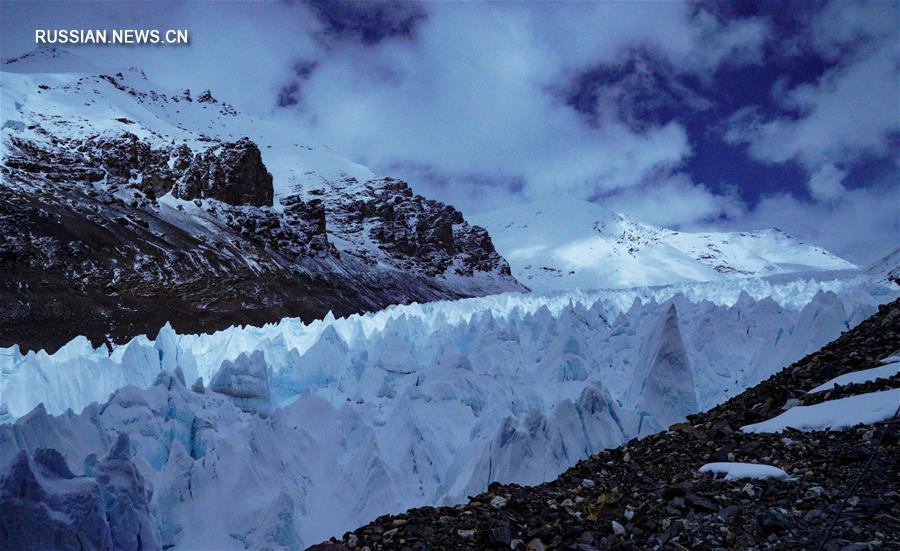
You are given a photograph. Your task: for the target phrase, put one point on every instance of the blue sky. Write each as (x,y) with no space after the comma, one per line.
(696,115)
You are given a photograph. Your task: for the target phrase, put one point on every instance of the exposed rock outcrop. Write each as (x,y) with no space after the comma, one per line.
(233,173)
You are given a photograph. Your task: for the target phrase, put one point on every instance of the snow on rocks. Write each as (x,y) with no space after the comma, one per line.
(838,414)
(113,186)
(863,376)
(734,471)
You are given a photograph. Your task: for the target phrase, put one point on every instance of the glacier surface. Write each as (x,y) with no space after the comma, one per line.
(323,426)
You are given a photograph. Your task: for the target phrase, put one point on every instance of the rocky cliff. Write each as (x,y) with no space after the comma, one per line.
(149,206)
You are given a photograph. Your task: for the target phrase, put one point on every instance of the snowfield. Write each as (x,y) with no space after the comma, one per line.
(321,427)
(568,243)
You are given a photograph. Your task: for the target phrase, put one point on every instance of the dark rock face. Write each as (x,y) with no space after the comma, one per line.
(418,233)
(44,506)
(649,493)
(232,173)
(88,246)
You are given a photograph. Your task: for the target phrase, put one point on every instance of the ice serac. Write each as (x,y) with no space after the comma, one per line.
(410,406)
(43,505)
(125,497)
(662,387)
(247,381)
(534,449)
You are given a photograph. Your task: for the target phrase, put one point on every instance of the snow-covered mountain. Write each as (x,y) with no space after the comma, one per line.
(567,243)
(887,269)
(125,205)
(320,427)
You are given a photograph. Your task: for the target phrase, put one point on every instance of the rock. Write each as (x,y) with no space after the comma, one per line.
(815,516)
(771,522)
(587,483)
(501,535)
(233,173)
(466,534)
(69,232)
(498,502)
(618,529)
(748,490)
(535,545)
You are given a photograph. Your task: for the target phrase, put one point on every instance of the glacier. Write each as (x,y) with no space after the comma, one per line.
(323,426)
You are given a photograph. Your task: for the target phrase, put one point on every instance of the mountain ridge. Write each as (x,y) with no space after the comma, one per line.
(128,206)
(566,242)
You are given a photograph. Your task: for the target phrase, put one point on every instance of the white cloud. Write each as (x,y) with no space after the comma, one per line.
(849,112)
(674,201)
(862,225)
(474,94)
(825,182)
(842,25)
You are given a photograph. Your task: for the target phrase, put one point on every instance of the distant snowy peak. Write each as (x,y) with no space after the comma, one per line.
(568,243)
(49,60)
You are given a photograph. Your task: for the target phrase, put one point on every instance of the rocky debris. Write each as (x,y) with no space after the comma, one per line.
(108,508)
(648,494)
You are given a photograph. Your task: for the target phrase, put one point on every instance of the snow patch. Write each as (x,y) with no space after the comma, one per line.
(734,471)
(863,376)
(839,414)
